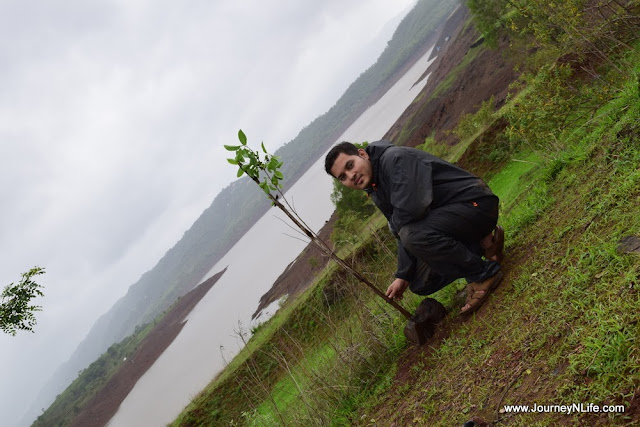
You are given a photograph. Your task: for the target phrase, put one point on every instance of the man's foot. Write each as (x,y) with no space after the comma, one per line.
(477,292)
(493,245)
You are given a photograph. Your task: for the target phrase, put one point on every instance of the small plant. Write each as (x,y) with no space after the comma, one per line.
(15,311)
(282,300)
(471,124)
(434,147)
(265,172)
(256,328)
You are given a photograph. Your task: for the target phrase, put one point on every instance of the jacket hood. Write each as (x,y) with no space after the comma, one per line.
(375,151)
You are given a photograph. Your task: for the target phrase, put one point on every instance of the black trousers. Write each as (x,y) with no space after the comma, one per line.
(446,244)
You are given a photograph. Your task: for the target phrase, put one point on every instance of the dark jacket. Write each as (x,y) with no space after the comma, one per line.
(407,183)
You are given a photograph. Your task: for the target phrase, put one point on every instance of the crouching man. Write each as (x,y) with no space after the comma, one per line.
(443,217)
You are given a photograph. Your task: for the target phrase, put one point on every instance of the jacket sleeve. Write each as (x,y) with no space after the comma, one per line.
(406,261)
(411,189)
(406,264)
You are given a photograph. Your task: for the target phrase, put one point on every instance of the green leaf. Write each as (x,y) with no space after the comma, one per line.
(279,175)
(240,172)
(242,137)
(265,187)
(231,147)
(263,149)
(232,161)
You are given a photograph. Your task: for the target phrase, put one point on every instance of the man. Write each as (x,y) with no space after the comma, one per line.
(442,216)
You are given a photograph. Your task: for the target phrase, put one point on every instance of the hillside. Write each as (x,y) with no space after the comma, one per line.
(559,142)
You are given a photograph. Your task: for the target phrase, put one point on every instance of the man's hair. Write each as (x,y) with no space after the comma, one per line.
(343,147)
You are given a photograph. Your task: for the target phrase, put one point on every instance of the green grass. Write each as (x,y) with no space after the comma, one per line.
(515,177)
(290,388)
(563,328)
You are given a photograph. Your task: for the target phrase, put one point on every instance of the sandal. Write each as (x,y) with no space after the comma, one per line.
(495,252)
(477,292)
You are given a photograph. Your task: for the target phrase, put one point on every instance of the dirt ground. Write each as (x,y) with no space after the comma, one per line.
(106,402)
(488,74)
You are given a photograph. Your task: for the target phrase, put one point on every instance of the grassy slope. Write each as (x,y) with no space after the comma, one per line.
(562,328)
(296,351)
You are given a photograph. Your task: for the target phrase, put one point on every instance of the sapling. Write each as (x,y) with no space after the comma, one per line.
(264,169)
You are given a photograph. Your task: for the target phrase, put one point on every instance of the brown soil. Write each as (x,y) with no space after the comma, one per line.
(488,74)
(99,410)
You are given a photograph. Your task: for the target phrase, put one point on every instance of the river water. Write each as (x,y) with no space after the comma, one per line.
(211,334)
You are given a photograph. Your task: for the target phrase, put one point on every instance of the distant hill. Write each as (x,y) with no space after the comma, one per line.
(238,206)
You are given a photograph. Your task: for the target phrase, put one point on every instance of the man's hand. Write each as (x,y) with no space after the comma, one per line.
(397,288)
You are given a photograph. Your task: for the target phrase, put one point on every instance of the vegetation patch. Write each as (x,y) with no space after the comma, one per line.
(563,328)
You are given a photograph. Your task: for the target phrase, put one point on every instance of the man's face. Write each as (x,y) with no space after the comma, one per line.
(353,171)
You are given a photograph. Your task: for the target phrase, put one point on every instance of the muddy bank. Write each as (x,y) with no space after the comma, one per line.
(103,406)
(450,93)
(299,274)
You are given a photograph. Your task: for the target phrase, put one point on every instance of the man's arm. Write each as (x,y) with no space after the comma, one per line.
(411,188)
(411,194)
(405,271)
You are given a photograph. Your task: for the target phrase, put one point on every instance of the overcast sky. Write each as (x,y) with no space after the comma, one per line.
(113,114)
